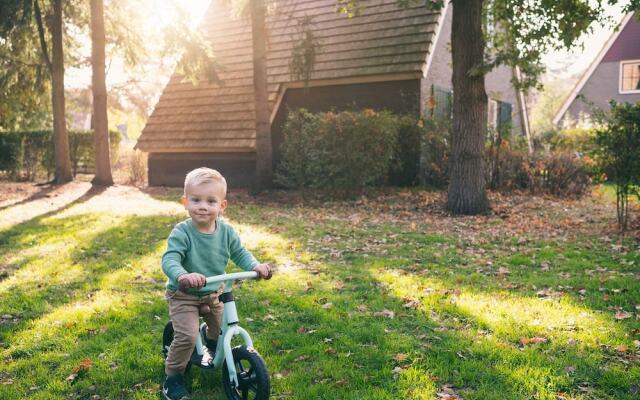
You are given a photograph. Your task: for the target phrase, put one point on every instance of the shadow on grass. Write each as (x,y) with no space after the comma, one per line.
(44,286)
(92,192)
(43,192)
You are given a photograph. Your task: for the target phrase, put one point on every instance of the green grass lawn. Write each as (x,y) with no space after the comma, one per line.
(380,298)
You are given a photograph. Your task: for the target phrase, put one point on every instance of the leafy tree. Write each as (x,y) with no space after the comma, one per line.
(24,83)
(519,33)
(44,26)
(618,154)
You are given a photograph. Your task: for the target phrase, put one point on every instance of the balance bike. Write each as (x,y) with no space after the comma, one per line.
(244,373)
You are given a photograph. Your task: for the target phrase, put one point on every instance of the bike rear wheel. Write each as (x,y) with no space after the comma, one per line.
(252,375)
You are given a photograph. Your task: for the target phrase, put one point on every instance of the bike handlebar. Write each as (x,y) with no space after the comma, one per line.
(233,276)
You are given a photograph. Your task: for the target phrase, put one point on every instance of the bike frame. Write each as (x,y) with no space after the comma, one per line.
(230,325)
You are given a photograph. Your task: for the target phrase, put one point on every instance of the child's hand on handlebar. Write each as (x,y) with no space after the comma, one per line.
(264,271)
(192,280)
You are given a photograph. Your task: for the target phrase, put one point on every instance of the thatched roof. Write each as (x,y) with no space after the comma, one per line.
(383,42)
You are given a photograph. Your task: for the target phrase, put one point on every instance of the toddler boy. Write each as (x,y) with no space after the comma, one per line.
(197,248)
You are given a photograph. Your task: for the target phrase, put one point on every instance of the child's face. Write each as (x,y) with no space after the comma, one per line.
(205,202)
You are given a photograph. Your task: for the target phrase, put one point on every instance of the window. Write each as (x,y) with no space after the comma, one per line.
(630,76)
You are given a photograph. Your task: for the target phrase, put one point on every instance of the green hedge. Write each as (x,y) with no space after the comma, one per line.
(28,154)
(339,152)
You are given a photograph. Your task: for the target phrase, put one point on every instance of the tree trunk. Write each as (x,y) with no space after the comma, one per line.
(467,193)
(100,128)
(264,158)
(60,138)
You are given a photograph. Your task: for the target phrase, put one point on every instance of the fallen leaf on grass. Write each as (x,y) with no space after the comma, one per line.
(400,357)
(362,308)
(447,393)
(384,313)
(330,350)
(623,315)
(411,304)
(533,340)
(327,306)
(341,382)
(301,358)
(622,348)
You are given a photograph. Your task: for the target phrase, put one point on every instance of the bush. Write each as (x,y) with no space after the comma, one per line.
(342,152)
(507,168)
(578,140)
(406,159)
(24,155)
(434,153)
(11,150)
(562,174)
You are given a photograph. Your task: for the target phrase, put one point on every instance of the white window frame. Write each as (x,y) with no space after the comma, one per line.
(622,64)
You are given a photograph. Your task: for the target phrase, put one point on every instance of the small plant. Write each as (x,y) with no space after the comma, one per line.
(618,154)
(137,168)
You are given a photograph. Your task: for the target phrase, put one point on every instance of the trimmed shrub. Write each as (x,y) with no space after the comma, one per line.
(341,152)
(406,159)
(11,150)
(24,155)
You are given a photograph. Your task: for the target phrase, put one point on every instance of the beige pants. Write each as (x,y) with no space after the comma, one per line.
(183,310)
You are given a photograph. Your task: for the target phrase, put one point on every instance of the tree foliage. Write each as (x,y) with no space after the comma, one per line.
(618,153)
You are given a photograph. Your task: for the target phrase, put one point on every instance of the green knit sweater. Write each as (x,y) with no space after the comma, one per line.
(190,250)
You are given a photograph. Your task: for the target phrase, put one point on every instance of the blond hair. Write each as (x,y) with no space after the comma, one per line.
(202,175)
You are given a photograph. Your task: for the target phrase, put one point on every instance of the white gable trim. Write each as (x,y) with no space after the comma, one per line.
(594,64)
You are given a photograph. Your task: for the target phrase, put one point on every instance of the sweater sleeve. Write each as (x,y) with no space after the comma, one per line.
(238,254)
(177,247)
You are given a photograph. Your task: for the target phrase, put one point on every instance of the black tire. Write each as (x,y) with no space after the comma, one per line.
(253,377)
(167,338)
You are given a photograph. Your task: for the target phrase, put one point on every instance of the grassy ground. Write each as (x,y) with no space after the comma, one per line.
(385,297)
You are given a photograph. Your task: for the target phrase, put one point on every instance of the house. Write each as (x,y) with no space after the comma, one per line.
(386,57)
(613,75)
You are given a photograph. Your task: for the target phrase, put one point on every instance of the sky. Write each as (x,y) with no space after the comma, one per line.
(566,64)
(160,14)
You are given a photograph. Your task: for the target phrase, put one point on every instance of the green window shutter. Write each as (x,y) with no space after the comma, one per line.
(504,114)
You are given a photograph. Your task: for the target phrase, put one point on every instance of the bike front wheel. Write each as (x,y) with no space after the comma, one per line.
(252,374)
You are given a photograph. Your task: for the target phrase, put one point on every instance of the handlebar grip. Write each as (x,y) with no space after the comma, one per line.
(232,276)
